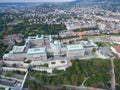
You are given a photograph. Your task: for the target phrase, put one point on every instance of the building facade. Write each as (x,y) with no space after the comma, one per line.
(75,50)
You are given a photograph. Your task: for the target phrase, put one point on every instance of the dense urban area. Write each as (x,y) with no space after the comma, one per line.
(60,46)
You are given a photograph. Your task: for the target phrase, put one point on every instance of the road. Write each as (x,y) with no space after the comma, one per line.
(112,74)
(70,87)
(106,38)
(72,39)
(25,77)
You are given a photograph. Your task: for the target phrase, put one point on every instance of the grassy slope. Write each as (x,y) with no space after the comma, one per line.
(117,72)
(78,72)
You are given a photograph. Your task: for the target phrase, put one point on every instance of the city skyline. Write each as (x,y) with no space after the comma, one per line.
(36,0)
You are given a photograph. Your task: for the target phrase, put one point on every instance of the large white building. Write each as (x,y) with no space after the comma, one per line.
(17,53)
(37,47)
(75,50)
(37,54)
(33,49)
(39,40)
(56,47)
(88,45)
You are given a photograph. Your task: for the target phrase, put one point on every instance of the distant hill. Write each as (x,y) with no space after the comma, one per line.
(113,5)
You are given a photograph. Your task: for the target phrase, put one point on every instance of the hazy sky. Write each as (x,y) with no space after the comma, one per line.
(35,0)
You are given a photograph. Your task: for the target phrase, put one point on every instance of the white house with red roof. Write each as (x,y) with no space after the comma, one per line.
(116,50)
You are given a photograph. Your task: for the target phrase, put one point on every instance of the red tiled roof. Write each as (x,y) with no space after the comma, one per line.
(80,33)
(117,48)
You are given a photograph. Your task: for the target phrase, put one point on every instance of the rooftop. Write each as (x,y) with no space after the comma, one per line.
(5,55)
(36,51)
(36,37)
(89,43)
(74,47)
(17,49)
(56,43)
(117,48)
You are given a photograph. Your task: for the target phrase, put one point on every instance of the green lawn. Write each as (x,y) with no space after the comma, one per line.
(16,22)
(2,88)
(117,72)
(106,44)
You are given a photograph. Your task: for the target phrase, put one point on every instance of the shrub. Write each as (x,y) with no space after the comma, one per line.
(27,61)
(53,62)
(62,61)
(14,65)
(7,74)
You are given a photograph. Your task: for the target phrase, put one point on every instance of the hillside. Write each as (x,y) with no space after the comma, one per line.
(96,70)
(112,5)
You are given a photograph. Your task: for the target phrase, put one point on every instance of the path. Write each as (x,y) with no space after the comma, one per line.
(86,79)
(112,74)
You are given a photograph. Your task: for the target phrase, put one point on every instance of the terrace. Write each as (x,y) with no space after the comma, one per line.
(17,49)
(36,51)
(75,47)
(36,37)
(106,44)
(89,44)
